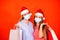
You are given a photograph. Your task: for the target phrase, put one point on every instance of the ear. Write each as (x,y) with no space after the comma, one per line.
(44,18)
(30,13)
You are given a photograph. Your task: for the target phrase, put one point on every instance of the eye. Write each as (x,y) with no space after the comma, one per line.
(39,17)
(25,14)
(28,13)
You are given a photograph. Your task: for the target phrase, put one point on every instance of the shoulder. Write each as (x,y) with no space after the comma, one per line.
(30,22)
(19,23)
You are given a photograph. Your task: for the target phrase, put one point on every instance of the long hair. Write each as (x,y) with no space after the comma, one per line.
(44,26)
(21,18)
(44,29)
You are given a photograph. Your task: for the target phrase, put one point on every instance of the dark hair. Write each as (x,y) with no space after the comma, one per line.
(39,22)
(38,11)
(44,26)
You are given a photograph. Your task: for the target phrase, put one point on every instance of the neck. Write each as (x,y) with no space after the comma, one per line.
(37,25)
(26,21)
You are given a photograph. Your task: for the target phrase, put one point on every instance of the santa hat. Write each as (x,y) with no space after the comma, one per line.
(40,13)
(24,10)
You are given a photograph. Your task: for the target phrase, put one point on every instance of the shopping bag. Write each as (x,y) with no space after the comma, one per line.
(15,34)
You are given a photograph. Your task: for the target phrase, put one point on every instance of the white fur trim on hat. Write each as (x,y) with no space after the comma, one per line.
(24,11)
(39,14)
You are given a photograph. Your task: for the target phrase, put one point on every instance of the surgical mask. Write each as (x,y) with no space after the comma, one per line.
(38,20)
(27,17)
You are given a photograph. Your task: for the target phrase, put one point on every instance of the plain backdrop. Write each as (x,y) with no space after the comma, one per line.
(10,14)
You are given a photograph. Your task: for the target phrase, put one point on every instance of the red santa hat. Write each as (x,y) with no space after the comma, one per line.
(40,13)
(24,10)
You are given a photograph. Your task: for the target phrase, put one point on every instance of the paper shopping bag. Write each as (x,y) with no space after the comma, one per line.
(15,34)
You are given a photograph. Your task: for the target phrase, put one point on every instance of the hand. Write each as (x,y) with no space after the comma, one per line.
(17,26)
(48,26)
(41,31)
(42,24)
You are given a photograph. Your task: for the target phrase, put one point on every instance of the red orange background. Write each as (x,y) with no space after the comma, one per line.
(10,14)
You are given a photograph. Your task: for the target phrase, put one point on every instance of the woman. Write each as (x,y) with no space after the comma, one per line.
(42,31)
(25,25)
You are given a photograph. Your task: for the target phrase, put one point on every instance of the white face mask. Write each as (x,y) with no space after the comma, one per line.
(38,20)
(27,17)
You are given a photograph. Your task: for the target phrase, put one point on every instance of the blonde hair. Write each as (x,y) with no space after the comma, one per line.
(21,17)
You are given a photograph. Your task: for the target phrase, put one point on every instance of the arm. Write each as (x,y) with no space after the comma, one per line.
(17,26)
(41,31)
(52,33)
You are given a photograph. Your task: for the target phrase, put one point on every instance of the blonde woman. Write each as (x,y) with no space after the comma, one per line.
(25,25)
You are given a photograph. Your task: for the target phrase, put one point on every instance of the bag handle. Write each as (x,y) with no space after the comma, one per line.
(16,27)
